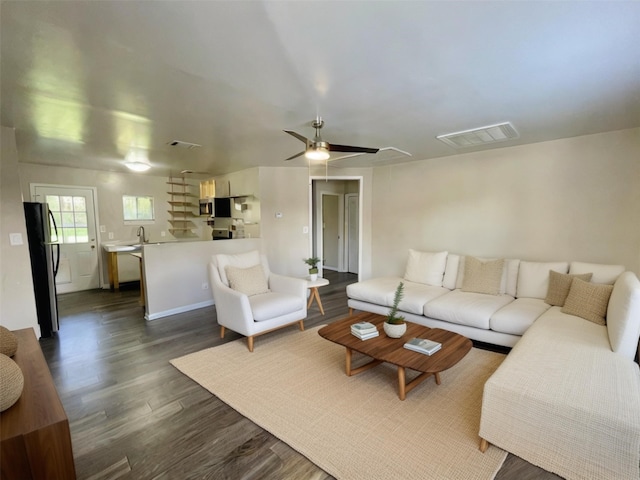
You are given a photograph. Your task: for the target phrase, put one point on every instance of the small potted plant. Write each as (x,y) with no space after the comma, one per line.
(395,326)
(313,267)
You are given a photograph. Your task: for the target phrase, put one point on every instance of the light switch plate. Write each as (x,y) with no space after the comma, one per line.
(103,228)
(15,239)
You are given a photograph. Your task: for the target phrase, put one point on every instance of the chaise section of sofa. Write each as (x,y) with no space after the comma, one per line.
(567,397)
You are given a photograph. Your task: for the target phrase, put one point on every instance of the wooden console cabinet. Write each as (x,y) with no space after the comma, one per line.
(36,441)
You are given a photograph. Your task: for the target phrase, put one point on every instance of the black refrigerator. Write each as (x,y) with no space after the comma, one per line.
(45,258)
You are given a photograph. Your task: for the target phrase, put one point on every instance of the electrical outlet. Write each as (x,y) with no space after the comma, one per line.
(103,228)
(205,286)
(305,229)
(110,235)
(163,233)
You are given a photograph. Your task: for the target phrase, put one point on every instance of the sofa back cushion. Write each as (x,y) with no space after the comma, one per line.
(426,267)
(601,273)
(451,271)
(623,315)
(533,278)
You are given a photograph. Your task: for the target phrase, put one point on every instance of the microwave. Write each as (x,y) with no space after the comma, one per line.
(219,207)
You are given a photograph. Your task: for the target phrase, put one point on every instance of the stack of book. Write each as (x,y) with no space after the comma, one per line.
(364,330)
(423,345)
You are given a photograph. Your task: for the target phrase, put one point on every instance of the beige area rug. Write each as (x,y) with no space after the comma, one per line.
(294,386)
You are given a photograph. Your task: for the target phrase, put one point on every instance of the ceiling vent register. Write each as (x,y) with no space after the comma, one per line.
(480,136)
(181,144)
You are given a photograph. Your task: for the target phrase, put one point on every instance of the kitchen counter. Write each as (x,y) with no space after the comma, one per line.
(113,249)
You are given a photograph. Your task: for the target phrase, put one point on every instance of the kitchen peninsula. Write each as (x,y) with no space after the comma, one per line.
(175,274)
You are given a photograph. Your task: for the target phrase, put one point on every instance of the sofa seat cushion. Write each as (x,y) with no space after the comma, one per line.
(466,308)
(382,290)
(267,306)
(516,317)
(584,422)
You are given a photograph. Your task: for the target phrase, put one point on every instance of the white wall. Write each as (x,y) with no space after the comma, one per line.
(17,300)
(570,199)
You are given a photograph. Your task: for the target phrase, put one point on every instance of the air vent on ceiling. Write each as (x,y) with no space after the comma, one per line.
(480,136)
(181,144)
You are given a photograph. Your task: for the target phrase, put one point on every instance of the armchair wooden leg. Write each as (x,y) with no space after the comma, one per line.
(221,332)
(350,311)
(483,445)
(250,343)
(301,323)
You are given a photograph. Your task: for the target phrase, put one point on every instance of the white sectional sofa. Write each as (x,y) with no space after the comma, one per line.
(567,397)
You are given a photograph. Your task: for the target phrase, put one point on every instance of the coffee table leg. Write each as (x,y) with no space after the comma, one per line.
(347,364)
(404,388)
(402,393)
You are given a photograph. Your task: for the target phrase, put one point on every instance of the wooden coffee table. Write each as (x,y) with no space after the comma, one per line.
(391,350)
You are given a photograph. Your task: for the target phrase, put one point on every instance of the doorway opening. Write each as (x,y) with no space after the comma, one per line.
(336,223)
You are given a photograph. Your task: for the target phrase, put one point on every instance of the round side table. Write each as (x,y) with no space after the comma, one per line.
(313,286)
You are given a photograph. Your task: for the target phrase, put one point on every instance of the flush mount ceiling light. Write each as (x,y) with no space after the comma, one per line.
(137,161)
(480,136)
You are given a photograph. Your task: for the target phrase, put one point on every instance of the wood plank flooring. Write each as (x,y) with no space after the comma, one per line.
(134,416)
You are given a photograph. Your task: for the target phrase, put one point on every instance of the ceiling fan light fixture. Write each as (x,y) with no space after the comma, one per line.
(317,152)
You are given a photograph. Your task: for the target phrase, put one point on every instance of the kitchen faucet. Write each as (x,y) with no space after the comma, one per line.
(141,235)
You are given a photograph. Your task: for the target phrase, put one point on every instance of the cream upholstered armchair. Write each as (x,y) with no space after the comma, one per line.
(250,299)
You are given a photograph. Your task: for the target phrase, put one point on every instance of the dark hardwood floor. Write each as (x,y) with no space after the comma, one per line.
(134,416)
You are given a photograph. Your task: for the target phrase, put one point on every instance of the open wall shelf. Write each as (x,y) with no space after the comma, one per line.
(181,207)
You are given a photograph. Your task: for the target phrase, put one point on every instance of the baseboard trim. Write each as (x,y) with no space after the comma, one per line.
(175,311)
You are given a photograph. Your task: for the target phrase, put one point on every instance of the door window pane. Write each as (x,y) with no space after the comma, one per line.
(70,214)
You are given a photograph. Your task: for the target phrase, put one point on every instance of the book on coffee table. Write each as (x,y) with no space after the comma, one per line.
(366,336)
(364,330)
(423,345)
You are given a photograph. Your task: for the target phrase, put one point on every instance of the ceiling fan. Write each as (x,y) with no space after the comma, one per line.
(318,149)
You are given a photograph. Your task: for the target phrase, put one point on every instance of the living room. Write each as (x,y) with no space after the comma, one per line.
(573,194)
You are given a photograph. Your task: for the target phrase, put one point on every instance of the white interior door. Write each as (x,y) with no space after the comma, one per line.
(74,211)
(353,234)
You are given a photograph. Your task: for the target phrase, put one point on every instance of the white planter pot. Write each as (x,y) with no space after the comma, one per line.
(313,277)
(394,331)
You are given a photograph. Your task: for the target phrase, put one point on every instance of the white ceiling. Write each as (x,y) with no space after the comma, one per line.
(83,81)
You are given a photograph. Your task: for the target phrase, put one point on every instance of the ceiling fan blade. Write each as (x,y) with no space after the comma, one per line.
(295,156)
(349,148)
(298,136)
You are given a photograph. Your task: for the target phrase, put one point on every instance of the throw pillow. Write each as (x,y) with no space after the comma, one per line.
(482,277)
(250,281)
(241,260)
(559,285)
(426,267)
(588,300)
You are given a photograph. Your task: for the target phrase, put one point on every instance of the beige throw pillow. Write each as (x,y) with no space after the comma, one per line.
(250,281)
(588,300)
(559,285)
(482,277)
